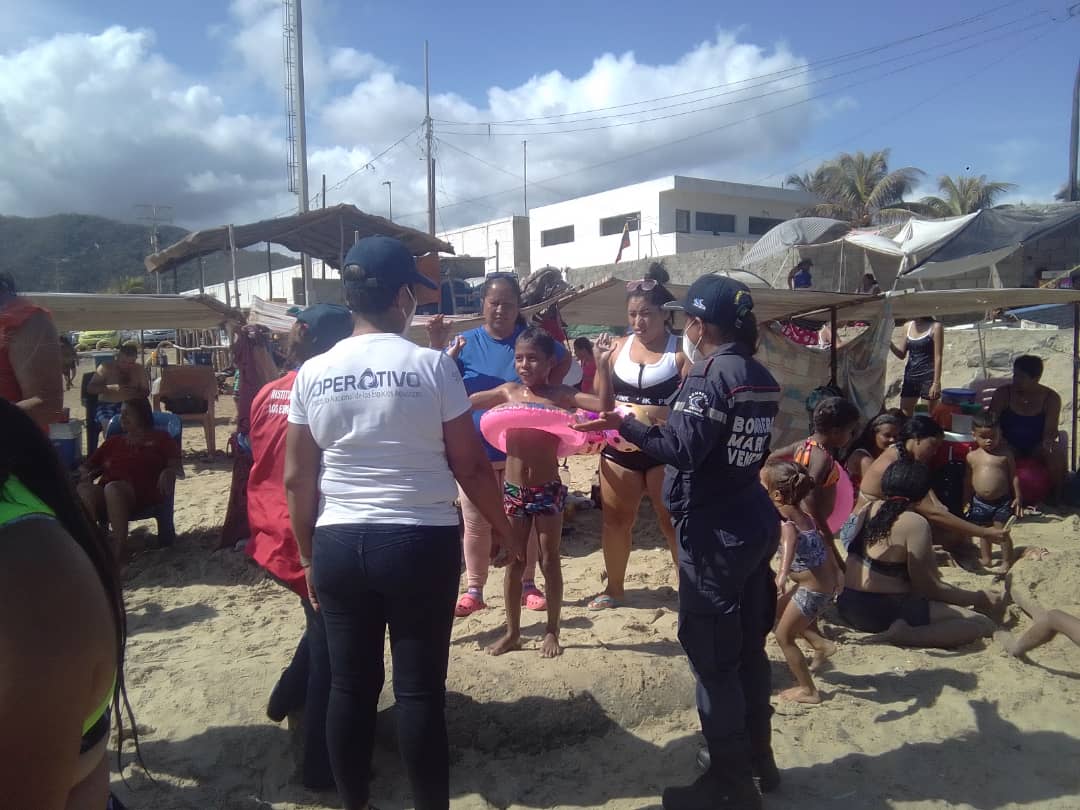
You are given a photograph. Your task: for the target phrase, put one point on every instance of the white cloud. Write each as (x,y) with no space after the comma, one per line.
(98,123)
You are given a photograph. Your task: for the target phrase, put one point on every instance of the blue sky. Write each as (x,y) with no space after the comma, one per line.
(989,96)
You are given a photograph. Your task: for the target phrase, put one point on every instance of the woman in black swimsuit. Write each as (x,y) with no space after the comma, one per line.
(1028,413)
(922,345)
(642,371)
(891,584)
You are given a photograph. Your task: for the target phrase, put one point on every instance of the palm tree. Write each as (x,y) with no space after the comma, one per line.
(964,194)
(860,188)
(129,285)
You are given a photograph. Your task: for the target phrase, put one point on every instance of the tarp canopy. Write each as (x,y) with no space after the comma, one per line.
(992,235)
(73,312)
(798,231)
(908,304)
(326,234)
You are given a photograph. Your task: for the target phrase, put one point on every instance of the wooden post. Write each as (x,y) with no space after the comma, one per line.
(232,258)
(1076,376)
(832,346)
(269,273)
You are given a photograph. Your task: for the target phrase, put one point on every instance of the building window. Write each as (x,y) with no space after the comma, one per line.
(557,236)
(714,223)
(682,221)
(762,225)
(609,226)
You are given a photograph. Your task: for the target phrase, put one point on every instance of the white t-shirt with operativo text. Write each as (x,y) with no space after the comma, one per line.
(376,405)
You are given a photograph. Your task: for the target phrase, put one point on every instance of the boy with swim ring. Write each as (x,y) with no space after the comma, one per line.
(533,493)
(806,561)
(992,488)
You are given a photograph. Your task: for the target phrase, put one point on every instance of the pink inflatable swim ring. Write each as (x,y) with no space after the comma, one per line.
(499,421)
(845,500)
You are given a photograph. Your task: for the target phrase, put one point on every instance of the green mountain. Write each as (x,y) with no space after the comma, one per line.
(78,253)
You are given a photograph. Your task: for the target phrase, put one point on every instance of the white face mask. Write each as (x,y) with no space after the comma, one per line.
(689,348)
(408,315)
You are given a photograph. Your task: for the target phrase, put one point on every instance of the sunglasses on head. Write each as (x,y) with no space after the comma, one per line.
(643,284)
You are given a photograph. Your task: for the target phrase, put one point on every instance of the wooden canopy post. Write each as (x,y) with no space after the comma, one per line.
(832,345)
(1076,376)
(232,257)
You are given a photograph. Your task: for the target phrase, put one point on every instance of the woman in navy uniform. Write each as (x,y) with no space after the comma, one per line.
(714,444)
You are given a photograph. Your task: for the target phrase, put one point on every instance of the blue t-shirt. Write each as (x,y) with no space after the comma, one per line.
(487,363)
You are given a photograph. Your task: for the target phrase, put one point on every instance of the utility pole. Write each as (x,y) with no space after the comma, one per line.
(296,119)
(155,215)
(430,137)
(525,174)
(390,197)
(1073,189)
(323,198)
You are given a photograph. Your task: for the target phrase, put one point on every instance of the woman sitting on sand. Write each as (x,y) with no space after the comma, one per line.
(919,439)
(642,370)
(1028,413)
(892,586)
(379,429)
(63,631)
(879,435)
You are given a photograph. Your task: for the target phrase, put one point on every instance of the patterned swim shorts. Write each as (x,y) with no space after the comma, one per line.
(520,502)
(811,603)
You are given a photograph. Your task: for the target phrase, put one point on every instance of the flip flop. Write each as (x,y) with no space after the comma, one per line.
(467,605)
(533,598)
(604,602)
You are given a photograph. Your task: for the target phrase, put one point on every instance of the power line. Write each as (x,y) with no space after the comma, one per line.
(780,73)
(858,70)
(490,165)
(711,130)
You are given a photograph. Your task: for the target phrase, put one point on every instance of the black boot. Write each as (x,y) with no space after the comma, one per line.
(766,774)
(728,783)
(761,755)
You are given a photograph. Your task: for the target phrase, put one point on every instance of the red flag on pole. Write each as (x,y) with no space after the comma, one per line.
(625,243)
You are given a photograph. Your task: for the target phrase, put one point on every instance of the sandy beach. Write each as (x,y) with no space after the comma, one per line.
(612,721)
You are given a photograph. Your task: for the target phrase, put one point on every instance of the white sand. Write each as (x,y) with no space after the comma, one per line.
(612,721)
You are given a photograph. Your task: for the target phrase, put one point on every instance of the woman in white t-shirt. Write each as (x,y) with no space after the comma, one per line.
(379,429)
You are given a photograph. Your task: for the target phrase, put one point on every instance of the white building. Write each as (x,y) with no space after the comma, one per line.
(666,216)
(286,285)
(503,243)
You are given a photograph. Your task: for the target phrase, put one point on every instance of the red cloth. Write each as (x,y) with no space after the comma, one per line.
(272,544)
(12,317)
(139,464)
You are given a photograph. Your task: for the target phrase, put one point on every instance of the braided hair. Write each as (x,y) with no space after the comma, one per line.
(904,483)
(791,479)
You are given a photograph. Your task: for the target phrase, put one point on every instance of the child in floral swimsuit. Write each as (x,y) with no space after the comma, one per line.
(533,492)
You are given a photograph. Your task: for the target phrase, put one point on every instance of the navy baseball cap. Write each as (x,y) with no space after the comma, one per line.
(386,262)
(326,324)
(716,299)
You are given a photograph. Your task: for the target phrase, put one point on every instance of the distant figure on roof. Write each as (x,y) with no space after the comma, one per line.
(799,278)
(869,285)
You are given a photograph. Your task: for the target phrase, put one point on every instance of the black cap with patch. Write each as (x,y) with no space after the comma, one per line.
(716,299)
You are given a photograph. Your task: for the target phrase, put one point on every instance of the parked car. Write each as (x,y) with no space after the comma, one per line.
(152,337)
(98,339)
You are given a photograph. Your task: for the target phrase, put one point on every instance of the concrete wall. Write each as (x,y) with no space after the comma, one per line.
(259,285)
(682,268)
(512,234)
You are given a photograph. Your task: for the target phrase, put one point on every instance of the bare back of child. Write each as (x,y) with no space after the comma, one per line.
(533,493)
(991,488)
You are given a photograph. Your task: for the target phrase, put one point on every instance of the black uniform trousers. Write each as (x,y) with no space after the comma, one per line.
(727,607)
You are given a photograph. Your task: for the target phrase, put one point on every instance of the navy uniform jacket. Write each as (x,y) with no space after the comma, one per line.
(717,436)
(714,443)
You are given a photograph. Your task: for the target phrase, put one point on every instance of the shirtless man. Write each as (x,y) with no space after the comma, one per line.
(115,383)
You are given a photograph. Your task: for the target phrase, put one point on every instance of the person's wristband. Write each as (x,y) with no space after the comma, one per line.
(305,562)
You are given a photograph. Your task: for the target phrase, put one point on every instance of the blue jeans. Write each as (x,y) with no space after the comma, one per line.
(368,576)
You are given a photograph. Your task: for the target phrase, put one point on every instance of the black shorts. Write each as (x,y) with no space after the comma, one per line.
(916,387)
(636,461)
(875,612)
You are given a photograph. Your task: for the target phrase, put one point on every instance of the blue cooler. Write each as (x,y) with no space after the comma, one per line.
(66,437)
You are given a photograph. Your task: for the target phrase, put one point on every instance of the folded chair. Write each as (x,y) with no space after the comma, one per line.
(190,392)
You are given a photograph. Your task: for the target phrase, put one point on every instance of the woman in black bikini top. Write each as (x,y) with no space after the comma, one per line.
(642,370)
